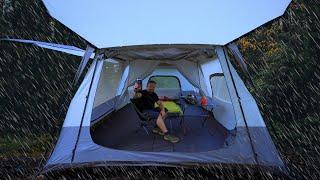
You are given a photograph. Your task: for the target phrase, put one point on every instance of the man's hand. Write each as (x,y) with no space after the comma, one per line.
(137,95)
(136,87)
(160,104)
(163,112)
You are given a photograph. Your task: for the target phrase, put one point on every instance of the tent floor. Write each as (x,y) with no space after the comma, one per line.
(121,131)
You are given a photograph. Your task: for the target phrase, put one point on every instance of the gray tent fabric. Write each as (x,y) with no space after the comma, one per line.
(65,146)
(140,69)
(53,46)
(241,61)
(83,63)
(203,85)
(263,149)
(237,152)
(161,52)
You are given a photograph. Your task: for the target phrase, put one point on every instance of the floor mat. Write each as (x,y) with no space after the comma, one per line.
(121,131)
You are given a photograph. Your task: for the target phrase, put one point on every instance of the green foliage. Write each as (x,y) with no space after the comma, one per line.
(283,59)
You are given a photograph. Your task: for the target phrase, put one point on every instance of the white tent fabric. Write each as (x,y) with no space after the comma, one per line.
(127,23)
(230,84)
(77,104)
(140,69)
(193,73)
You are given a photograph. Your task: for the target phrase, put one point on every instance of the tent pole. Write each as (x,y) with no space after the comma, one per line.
(235,99)
(85,107)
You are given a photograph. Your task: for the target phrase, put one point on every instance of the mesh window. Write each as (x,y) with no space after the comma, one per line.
(109,81)
(219,87)
(166,82)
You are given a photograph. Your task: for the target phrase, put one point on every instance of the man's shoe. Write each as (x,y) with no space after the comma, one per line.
(171,138)
(157,130)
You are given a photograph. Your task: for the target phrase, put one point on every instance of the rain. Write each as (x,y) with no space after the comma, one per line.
(36,87)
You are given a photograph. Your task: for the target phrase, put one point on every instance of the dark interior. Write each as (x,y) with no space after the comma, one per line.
(121,130)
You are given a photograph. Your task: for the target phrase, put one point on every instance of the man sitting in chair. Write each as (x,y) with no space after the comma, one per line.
(146,104)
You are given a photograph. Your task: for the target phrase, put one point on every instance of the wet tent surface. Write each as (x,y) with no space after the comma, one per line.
(121,130)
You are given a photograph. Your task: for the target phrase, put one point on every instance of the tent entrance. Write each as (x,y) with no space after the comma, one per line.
(121,131)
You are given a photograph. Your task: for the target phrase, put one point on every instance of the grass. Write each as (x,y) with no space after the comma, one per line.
(28,145)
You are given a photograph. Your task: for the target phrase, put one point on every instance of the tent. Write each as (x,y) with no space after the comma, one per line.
(236,135)
(187,42)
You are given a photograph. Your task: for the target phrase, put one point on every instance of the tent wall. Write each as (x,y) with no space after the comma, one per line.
(248,116)
(231,85)
(143,68)
(193,73)
(224,112)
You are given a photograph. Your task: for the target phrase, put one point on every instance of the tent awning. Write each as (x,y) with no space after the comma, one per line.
(172,52)
(125,23)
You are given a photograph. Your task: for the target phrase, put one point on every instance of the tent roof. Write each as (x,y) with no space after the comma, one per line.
(124,23)
(167,52)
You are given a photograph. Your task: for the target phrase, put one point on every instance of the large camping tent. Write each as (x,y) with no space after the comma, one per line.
(239,133)
(187,41)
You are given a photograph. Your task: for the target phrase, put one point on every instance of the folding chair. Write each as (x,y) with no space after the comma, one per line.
(144,120)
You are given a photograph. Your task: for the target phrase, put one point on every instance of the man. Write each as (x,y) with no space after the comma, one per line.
(146,103)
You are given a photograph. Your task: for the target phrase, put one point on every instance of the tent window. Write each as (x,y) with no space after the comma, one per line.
(166,82)
(219,87)
(109,81)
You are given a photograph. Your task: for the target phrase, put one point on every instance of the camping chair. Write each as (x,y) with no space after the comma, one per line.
(144,120)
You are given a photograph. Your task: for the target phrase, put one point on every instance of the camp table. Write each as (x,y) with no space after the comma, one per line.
(204,114)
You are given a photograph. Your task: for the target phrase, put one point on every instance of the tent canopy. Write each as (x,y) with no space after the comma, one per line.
(124,23)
